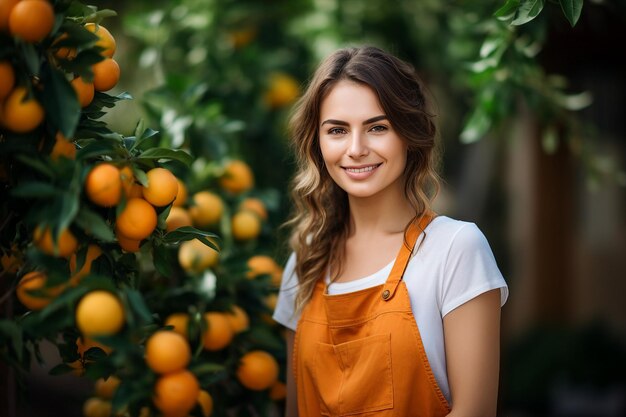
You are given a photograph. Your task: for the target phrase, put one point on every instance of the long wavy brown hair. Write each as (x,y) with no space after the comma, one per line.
(320,219)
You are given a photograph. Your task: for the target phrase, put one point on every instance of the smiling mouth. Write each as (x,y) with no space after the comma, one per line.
(362,169)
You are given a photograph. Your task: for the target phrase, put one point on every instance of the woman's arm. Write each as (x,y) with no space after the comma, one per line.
(291,409)
(472,339)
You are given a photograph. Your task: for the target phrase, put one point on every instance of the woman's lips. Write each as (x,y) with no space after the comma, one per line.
(361,172)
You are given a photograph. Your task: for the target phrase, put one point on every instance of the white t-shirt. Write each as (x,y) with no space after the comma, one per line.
(453,265)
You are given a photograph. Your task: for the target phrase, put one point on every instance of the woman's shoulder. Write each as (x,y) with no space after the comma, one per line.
(448,229)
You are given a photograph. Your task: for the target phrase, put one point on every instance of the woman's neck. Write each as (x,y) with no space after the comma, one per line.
(388,214)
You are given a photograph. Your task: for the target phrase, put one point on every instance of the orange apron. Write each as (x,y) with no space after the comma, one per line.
(361,353)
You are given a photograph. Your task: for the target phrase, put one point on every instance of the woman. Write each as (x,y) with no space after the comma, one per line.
(391,310)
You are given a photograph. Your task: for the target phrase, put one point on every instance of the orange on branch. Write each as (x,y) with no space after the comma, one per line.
(206,403)
(283,90)
(167,351)
(258,370)
(36,281)
(93,252)
(176,393)
(31,20)
(65,245)
(246,225)
(84,91)
(106,41)
(131,188)
(63,52)
(181,195)
(255,205)
(137,220)
(238,319)
(264,265)
(162,187)
(180,322)
(177,217)
(105,388)
(103,185)
(97,407)
(62,148)
(129,245)
(206,208)
(6,6)
(278,391)
(106,74)
(99,312)
(7,78)
(237,177)
(194,256)
(20,114)
(218,334)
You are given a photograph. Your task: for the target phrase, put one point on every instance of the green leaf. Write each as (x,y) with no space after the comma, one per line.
(98,148)
(162,260)
(61,369)
(31,57)
(527,11)
(509,7)
(35,189)
(13,331)
(165,154)
(572,10)
(189,233)
(36,164)
(69,208)
(93,223)
(476,127)
(138,305)
(60,102)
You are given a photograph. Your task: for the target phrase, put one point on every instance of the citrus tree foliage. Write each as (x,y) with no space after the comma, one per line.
(107,240)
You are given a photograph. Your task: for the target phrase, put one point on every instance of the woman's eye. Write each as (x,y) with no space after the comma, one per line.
(378,128)
(336,131)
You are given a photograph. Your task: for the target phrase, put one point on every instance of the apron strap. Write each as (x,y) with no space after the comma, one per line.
(402,260)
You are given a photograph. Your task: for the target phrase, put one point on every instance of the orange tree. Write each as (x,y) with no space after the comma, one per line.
(107,240)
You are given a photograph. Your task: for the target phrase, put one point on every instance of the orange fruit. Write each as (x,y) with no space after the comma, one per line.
(63,52)
(181,195)
(176,393)
(6,6)
(278,391)
(19,114)
(93,252)
(283,90)
(129,186)
(246,225)
(218,334)
(264,265)
(206,209)
(238,319)
(206,403)
(7,78)
(129,245)
(103,185)
(99,313)
(36,281)
(162,187)
(194,256)
(258,370)
(255,205)
(106,74)
(84,91)
(11,260)
(178,217)
(31,20)
(137,220)
(270,301)
(62,148)
(242,37)
(97,407)
(105,388)
(64,247)
(106,41)
(167,351)
(180,321)
(237,177)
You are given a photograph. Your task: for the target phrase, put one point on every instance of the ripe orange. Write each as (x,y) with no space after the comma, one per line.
(258,370)
(180,321)
(176,393)
(206,209)
(264,265)
(63,52)
(242,37)
(105,388)
(31,20)
(62,148)
(162,187)
(93,252)
(103,185)
(178,217)
(278,391)
(97,407)
(20,115)
(255,205)
(137,220)
(36,281)
(84,91)
(237,177)
(6,6)
(194,256)
(129,245)
(270,301)
(129,186)
(99,313)
(11,260)
(218,334)
(283,90)
(246,225)
(181,195)
(238,319)
(206,403)
(106,74)
(167,351)
(106,41)
(7,78)
(64,247)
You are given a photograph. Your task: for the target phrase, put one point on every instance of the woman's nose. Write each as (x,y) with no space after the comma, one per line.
(358,146)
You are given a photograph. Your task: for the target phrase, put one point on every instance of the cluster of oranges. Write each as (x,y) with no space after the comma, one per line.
(31,21)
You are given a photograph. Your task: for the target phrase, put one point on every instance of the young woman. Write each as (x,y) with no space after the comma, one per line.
(390,309)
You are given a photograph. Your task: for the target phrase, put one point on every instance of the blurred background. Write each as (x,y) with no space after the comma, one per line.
(532,125)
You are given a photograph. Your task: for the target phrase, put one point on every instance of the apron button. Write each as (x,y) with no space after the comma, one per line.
(386,294)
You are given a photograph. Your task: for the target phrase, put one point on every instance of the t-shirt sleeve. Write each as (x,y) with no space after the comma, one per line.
(284,312)
(470,269)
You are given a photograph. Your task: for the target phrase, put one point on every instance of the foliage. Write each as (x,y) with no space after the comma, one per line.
(44,188)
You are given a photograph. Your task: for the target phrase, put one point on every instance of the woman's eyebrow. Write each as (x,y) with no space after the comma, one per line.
(342,123)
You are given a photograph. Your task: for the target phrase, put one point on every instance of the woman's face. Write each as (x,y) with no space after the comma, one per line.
(362,152)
